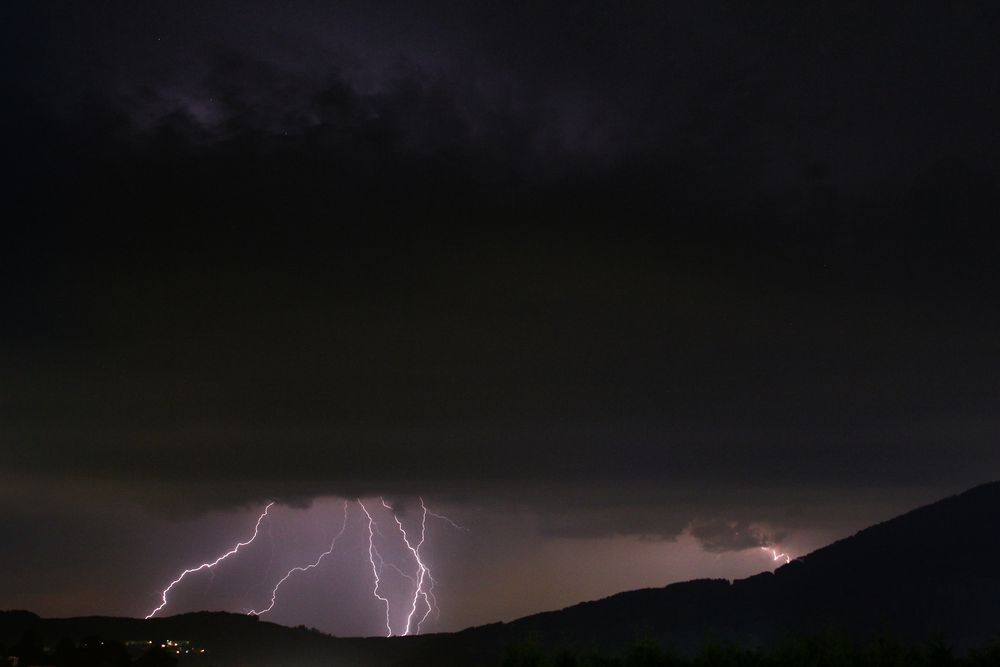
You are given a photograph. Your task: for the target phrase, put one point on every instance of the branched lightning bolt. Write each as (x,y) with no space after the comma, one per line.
(775,556)
(442,517)
(423,582)
(274,592)
(393,566)
(383,563)
(429,593)
(209,566)
(372,553)
(422,571)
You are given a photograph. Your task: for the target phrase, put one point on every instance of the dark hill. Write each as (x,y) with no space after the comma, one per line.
(933,572)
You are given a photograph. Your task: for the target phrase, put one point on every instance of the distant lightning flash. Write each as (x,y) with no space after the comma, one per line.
(274,592)
(209,566)
(775,556)
(372,553)
(422,571)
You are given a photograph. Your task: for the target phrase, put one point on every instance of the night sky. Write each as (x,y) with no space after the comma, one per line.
(628,290)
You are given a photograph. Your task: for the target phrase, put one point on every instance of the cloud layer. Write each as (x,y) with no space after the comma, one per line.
(615,274)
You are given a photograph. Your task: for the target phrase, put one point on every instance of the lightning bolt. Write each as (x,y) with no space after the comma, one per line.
(422,571)
(442,517)
(433,582)
(209,566)
(372,553)
(775,556)
(383,563)
(274,592)
(393,566)
(423,582)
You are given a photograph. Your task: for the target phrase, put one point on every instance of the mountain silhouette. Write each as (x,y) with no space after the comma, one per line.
(931,573)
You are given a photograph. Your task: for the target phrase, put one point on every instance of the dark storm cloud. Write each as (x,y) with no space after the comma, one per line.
(718,536)
(699,252)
